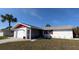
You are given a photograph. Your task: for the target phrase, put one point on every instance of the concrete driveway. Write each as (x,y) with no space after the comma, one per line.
(12,40)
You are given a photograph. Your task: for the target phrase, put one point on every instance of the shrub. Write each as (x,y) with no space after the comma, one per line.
(3,37)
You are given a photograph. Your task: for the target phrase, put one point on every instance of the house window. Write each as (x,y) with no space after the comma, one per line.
(48,32)
(45,32)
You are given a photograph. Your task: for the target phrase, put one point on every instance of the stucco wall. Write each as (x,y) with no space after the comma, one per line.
(68,34)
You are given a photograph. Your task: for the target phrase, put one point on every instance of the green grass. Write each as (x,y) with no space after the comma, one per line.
(3,37)
(56,44)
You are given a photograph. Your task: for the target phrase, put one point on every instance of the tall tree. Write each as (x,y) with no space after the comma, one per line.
(47,25)
(76,31)
(9,18)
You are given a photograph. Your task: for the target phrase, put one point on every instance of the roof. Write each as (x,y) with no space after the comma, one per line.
(29,26)
(59,28)
(68,27)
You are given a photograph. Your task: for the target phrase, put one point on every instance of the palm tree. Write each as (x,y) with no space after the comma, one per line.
(9,18)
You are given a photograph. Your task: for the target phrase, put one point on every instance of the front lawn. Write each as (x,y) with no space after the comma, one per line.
(54,44)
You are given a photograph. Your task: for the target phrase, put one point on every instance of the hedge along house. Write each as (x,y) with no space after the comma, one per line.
(28,31)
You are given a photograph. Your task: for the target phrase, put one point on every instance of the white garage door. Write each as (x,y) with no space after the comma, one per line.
(20,33)
(62,34)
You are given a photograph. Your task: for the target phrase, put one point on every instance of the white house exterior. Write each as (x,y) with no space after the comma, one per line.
(22,31)
(28,32)
(65,32)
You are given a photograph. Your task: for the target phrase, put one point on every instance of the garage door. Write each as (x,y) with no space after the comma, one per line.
(62,34)
(20,33)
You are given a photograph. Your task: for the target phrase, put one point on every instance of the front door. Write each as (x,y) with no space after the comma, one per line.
(28,34)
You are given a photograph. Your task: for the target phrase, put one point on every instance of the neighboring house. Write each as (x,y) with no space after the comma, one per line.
(1,33)
(28,31)
(6,32)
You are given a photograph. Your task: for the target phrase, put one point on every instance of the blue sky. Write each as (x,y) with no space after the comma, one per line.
(42,16)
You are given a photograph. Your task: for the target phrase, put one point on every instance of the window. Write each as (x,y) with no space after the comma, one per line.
(45,32)
(48,32)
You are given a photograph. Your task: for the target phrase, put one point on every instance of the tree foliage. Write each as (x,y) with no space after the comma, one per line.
(47,25)
(76,31)
(9,18)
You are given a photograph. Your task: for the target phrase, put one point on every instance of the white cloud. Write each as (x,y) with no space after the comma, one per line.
(30,11)
(36,15)
(34,12)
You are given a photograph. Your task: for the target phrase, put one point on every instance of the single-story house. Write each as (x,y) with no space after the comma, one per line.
(28,31)
(59,32)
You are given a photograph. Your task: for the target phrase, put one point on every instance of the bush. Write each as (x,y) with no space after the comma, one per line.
(3,37)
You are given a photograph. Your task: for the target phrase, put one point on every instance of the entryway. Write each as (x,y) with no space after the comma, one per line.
(28,34)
